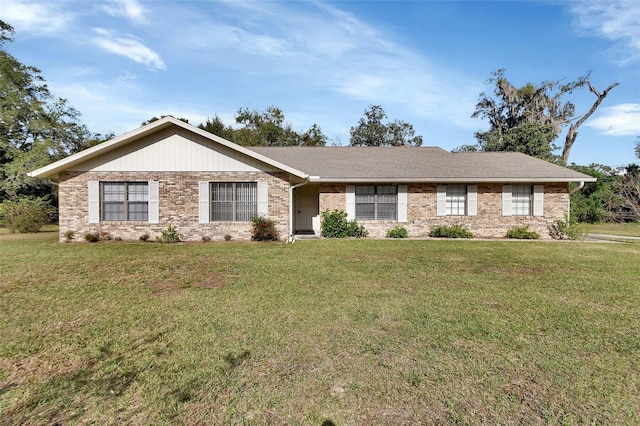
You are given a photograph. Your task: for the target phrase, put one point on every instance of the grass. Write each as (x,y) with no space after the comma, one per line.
(629,229)
(354,332)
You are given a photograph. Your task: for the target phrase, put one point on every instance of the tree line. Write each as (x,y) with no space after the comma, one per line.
(37,128)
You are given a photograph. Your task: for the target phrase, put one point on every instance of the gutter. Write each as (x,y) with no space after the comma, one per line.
(578,188)
(291,238)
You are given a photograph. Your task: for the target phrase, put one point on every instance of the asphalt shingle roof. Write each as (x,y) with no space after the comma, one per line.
(418,163)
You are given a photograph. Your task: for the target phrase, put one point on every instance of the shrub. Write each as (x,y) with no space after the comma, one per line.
(144,237)
(170,235)
(68,235)
(522,233)
(92,238)
(453,231)
(227,237)
(335,225)
(264,229)
(106,236)
(205,239)
(25,214)
(397,232)
(565,229)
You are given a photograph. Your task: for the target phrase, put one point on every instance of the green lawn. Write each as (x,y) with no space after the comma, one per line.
(355,332)
(630,229)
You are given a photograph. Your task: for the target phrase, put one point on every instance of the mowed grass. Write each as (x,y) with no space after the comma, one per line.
(354,332)
(629,229)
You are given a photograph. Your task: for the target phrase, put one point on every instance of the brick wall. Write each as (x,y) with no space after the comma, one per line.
(488,223)
(178,204)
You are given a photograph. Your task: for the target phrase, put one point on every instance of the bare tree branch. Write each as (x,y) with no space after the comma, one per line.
(572,133)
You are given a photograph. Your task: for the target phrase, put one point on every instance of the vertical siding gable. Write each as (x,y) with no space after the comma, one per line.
(173,152)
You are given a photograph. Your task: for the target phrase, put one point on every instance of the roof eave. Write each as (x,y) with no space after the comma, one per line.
(318,179)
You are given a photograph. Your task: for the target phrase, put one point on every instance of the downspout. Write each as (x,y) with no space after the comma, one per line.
(579,187)
(291,188)
(573,191)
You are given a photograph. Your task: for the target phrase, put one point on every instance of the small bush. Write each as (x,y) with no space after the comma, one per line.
(566,229)
(92,238)
(105,236)
(227,237)
(264,229)
(453,231)
(205,239)
(68,235)
(397,232)
(522,233)
(335,225)
(25,214)
(170,235)
(144,237)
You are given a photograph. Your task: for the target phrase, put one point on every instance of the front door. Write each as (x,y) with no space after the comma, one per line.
(307,207)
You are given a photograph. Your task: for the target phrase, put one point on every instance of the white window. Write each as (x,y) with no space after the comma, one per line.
(124,201)
(457,200)
(521,200)
(233,201)
(376,202)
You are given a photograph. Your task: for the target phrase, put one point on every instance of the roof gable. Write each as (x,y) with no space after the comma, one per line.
(164,137)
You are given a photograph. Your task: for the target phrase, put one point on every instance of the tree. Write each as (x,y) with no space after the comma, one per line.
(36,128)
(154,118)
(267,128)
(541,108)
(637,147)
(217,127)
(371,131)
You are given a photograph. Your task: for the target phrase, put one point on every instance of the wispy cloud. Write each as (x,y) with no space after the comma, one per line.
(129,47)
(35,17)
(334,51)
(618,120)
(129,9)
(617,20)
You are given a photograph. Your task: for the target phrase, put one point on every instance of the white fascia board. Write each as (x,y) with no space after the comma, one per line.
(54,168)
(448,180)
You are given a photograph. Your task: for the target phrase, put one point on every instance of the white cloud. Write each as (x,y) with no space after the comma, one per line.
(618,120)
(333,52)
(35,17)
(129,47)
(129,9)
(617,20)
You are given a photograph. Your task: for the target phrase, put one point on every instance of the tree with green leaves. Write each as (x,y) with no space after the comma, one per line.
(36,127)
(371,131)
(267,128)
(530,118)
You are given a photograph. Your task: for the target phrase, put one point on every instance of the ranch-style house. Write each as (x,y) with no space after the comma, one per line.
(172,173)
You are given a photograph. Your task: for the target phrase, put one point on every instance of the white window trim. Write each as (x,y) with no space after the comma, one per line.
(153,202)
(471,200)
(537,200)
(204,200)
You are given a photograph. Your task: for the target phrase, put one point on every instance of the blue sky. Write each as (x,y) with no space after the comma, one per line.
(425,62)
